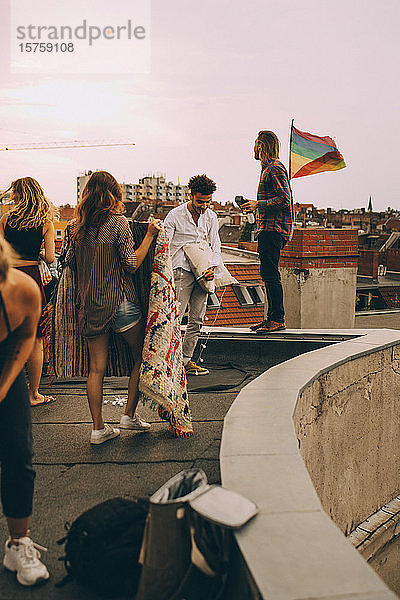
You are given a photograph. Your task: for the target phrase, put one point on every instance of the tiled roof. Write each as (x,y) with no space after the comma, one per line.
(231,313)
(67,212)
(145,215)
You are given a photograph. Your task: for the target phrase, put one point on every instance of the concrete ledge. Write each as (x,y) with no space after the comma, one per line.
(293,549)
(370,319)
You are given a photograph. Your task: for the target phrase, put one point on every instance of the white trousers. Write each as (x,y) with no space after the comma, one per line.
(190,293)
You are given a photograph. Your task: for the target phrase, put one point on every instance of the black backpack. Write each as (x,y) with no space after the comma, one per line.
(102,547)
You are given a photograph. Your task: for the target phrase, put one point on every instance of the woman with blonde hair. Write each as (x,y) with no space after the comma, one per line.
(20,306)
(103,257)
(27,227)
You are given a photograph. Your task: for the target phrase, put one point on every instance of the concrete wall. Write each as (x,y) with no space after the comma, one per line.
(347,424)
(336,401)
(386,563)
(321,298)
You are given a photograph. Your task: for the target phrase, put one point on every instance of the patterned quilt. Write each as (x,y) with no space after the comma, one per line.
(162,379)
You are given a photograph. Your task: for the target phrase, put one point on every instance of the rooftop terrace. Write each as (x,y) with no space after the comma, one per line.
(73,476)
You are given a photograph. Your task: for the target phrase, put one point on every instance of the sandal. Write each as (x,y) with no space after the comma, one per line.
(46,400)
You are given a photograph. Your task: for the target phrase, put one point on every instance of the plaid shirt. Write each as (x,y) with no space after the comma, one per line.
(275,202)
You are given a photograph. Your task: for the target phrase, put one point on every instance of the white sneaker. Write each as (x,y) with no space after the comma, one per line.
(134,422)
(24,560)
(98,436)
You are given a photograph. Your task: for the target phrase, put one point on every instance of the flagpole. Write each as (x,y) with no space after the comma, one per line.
(290,150)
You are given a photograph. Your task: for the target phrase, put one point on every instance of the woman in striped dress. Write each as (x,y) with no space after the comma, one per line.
(103,256)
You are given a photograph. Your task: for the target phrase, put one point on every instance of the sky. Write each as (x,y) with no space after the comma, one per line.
(219,71)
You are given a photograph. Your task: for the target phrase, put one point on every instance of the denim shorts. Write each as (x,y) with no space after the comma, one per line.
(128,314)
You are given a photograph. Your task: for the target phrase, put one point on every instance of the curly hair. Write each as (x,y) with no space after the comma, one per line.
(268,146)
(101,198)
(7,259)
(201,184)
(31,207)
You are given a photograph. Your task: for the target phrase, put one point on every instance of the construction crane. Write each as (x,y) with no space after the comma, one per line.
(63,145)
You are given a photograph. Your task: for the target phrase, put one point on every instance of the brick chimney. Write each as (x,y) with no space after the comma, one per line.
(319,276)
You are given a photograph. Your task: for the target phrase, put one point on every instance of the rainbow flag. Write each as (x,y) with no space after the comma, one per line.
(310,154)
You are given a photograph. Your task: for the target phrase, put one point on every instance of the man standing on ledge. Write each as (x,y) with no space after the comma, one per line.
(274,216)
(189,223)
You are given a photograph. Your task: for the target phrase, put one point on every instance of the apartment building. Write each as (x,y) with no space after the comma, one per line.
(155,188)
(150,189)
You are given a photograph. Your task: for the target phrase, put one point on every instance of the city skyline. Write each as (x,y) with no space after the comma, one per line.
(221,72)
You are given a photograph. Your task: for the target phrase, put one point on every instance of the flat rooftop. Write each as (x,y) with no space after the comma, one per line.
(73,476)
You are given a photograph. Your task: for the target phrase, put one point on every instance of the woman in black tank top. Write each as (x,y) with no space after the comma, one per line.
(27,227)
(19,314)
(27,242)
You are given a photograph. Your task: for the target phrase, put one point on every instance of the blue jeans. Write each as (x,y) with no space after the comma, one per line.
(128,314)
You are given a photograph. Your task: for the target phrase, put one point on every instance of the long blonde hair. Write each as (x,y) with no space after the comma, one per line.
(268,146)
(32,209)
(101,198)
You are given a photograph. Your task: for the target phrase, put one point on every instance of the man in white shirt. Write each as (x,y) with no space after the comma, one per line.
(193,222)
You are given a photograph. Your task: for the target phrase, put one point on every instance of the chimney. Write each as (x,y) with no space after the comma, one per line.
(319,275)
